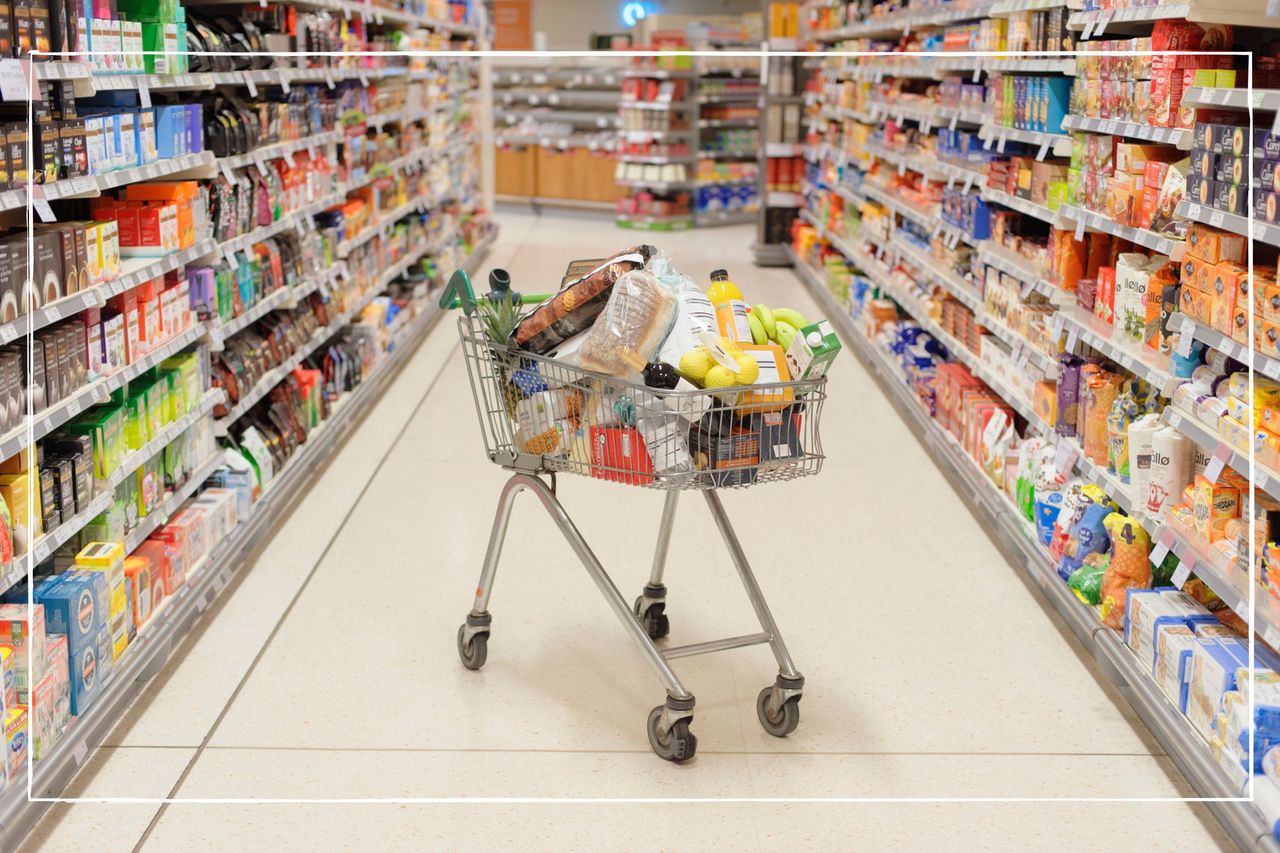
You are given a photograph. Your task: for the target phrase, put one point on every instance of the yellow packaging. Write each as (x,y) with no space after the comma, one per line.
(1233,431)
(108,558)
(1213,501)
(1046,401)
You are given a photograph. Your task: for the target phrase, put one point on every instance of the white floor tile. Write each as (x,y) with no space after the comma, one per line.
(109,772)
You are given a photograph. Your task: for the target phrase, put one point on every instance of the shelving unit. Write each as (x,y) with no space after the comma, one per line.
(444,158)
(900,267)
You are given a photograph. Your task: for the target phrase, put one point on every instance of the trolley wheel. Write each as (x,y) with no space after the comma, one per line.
(679,745)
(782,723)
(653,619)
(473,654)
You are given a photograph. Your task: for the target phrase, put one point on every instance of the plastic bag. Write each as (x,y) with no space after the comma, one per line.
(694,316)
(630,329)
(1086,581)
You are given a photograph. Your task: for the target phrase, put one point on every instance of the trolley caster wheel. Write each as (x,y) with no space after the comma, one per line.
(473,654)
(678,745)
(784,721)
(653,619)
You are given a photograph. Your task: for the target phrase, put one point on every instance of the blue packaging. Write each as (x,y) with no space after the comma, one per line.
(73,605)
(171,132)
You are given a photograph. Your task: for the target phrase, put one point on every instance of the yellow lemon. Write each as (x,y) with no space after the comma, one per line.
(694,365)
(720,377)
(748,370)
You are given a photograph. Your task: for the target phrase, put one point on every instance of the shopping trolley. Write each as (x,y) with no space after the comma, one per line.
(541,417)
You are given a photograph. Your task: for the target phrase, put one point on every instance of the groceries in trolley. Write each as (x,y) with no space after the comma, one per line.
(634,373)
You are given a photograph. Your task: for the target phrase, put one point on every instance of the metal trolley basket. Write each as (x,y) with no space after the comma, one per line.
(544,417)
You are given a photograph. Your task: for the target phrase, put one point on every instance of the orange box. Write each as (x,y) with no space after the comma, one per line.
(773,368)
(1268,337)
(1269,305)
(1195,273)
(1222,310)
(1196,304)
(1213,246)
(1213,501)
(1046,401)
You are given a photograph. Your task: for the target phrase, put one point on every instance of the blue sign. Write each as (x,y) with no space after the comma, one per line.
(634,12)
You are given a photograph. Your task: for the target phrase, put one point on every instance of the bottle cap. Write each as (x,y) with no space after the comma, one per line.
(719,275)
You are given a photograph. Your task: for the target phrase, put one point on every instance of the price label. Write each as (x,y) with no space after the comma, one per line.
(951,125)
(977,71)
(1193,211)
(284,83)
(13,79)
(1064,459)
(1175,419)
(1183,346)
(1044,149)
(1056,325)
(260,163)
(42,207)
(1271,369)
(1217,218)
(1213,470)
(1271,636)
(288,156)
(1158,553)
(1144,132)
(987,143)
(925,126)
(1004,137)
(311,149)
(226,171)
(1183,572)
(1027,287)
(1073,337)
(902,168)
(951,181)
(1088,30)
(328,79)
(1080,230)
(252,86)
(144,94)
(968,183)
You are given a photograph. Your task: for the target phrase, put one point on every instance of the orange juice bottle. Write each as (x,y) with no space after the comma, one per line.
(731,310)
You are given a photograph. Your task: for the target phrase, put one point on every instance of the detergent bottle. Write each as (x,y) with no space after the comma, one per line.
(731,310)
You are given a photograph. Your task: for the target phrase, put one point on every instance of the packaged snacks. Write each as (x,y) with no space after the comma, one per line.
(575,307)
(1127,569)
(1088,534)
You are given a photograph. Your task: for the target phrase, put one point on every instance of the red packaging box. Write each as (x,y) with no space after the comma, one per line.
(619,455)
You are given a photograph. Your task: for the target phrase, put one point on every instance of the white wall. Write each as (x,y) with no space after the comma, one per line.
(568,24)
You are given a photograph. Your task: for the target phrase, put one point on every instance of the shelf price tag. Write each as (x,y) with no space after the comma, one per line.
(144,94)
(1027,287)
(1213,470)
(1073,338)
(1271,369)
(41,204)
(284,83)
(1088,30)
(1064,459)
(1183,347)
(1080,230)
(951,125)
(260,163)
(1158,553)
(977,75)
(1004,138)
(1183,572)
(1044,149)
(1217,218)
(252,86)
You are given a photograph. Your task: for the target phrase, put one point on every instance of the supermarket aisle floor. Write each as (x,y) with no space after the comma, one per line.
(329,671)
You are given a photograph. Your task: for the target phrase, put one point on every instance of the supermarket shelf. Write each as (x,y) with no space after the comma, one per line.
(99,391)
(574,117)
(1118,490)
(1084,327)
(906,20)
(1006,8)
(735,154)
(657,160)
(175,499)
(132,462)
(783,149)
(1248,13)
(188,165)
(1105,224)
(1229,582)
(727,182)
(148,654)
(1114,127)
(1025,553)
(656,186)
(1022,205)
(630,135)
(924,218)
(1191,426)
(655,106)
(922,115)
(678,222)
(947,279)
(385,223)
(960,115)
(660,73)
(753,121)
(1058,144)
(840,243)
(1023,65)
(1239,99)
(774,198)
(751,95)
(297,218)
(1263,232)
(992,255)
(955,234)
(1212,338)
(569,98)
(280,149)
(725,217)
(1023,352)
(550,201)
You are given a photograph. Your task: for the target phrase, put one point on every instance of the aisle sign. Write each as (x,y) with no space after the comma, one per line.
(512,24)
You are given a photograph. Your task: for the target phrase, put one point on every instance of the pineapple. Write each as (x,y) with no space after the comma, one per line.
(499,320)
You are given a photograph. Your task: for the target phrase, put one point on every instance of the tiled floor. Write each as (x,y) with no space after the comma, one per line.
(329,671)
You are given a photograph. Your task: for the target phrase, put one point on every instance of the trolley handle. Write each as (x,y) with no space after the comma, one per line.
(459,293)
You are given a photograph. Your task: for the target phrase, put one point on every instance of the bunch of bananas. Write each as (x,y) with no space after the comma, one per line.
(775,325)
